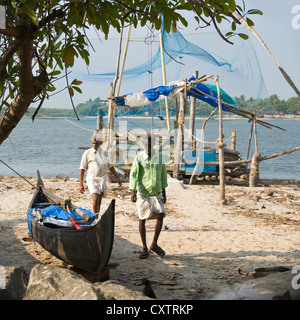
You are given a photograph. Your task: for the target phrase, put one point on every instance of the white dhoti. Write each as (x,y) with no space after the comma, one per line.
(150,207)
(98,185)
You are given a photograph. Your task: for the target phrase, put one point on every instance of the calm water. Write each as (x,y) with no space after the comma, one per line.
(51,145)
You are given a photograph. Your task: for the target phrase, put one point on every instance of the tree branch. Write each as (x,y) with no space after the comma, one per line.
(219,31)
(6,57)
(11,32)
(52,16)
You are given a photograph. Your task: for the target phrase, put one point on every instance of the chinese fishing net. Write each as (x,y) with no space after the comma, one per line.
(236,65)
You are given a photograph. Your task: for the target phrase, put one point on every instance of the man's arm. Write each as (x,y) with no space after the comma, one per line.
(81,175)
(113,171)
(163,192)
(133,179)
(133,195)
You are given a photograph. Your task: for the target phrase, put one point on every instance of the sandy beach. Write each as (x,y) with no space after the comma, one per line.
(212,250)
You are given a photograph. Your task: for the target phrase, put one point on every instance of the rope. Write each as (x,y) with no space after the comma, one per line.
(208,142)
(76,125)
(19,174)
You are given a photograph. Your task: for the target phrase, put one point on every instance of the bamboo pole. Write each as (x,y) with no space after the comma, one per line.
(164,78)
(110,116)
(111,95)
(221,146)
(118,62)
(123,61)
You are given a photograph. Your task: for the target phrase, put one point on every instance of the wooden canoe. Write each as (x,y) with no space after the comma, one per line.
(88,249)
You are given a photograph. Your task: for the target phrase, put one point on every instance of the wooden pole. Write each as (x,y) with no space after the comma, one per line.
(254,170)
(201,146)
(164,78)
(233,139)
(180,134)
(255,134)
(176,114)
(192,113)
(250,139)
(221,146)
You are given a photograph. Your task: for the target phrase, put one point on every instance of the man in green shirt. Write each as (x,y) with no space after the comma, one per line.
(148,180)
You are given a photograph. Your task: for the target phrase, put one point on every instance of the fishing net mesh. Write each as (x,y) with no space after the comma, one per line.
(237,66)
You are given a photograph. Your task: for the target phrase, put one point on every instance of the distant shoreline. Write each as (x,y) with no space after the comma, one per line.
(173,118)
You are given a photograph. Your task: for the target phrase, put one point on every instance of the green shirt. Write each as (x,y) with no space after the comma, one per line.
(148,175)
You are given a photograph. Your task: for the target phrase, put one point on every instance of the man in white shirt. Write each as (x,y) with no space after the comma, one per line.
(95,162)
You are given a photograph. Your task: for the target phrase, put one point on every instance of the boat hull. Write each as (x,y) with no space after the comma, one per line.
(88,249)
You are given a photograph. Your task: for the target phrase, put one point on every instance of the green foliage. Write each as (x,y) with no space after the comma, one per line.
(89,108)
(271,106)
(268,106)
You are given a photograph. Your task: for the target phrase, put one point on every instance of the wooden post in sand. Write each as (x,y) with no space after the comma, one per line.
(233,139)
(180,133)
(100,123)
(221,146)
(254,170)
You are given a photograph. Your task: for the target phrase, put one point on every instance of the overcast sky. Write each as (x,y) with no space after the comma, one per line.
(279,27)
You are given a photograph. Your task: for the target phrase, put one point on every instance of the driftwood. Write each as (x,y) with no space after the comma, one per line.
(279,181)
(279,154)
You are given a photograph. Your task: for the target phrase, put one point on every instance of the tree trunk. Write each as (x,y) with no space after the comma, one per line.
(30,87)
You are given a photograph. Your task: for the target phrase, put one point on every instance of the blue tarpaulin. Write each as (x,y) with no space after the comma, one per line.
(202,91)
(56,215)
(154,93)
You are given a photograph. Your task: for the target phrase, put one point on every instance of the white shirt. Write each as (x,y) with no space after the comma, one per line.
(95,162)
